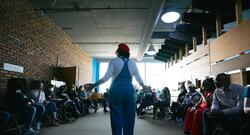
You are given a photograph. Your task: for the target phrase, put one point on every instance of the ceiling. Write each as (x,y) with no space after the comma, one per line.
(98,25)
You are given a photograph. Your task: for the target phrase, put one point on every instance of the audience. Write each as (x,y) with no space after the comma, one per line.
(51,105)
(147,99)
(20,105)
(194,115)
(217,109)
(83,96)
(227,107)
(162,102)
(67,107)
(97,98)
(73,95)
(191,98)
(38,95)
(176,106)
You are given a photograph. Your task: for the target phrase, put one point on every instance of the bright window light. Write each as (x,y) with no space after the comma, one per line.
(152,74)
(151,52)
(170,17)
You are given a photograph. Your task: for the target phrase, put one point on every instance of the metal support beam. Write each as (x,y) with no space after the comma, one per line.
(171,60)
(160,35)
(204,35)
(168,63)
(218,25)
(175,58)
(166,51)
(238,10)
(186,49)
(180,54)
(194,44)
(154,13)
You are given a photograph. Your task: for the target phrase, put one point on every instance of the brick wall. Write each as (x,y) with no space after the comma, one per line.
(33,41)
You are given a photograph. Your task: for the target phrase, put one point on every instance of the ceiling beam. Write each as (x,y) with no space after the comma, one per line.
(160,35)
(170,47)
(160,59)
(178,37)
(206,20)
(185,38)
(164,55)
(189,29)
(174,42)
(154,13)
(166,51)
(225,7)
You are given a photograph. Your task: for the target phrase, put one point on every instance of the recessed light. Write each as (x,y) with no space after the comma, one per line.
(170,17)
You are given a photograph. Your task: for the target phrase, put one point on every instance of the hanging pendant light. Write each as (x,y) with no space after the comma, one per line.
(151,50)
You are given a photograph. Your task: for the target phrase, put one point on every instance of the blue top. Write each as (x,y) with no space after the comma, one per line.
(247,92)
(229,102)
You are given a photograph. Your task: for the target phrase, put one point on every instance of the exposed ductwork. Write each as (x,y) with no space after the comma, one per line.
(152,19)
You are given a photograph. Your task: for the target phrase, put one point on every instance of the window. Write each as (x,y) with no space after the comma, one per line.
(152,74)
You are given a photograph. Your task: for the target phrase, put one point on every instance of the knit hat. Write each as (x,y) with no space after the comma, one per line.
(123,47)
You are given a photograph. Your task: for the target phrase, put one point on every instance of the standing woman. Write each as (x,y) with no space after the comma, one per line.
(121,93)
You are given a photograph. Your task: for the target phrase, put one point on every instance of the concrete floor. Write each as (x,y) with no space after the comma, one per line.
(99,124)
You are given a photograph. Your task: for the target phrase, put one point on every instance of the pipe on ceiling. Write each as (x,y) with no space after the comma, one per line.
(151,22)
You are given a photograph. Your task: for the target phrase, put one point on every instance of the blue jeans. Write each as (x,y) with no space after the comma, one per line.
(40,109)
(28,113)
(51,107)
(230,123)
(122,109)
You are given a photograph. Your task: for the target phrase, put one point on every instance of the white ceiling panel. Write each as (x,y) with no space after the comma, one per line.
(72,19)
(116,3)
(99,25)
(107,51)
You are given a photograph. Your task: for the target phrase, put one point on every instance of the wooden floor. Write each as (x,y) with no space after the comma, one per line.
(99,124)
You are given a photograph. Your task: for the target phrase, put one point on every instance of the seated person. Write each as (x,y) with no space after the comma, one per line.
(139,96)
(65,104)
(106,99)
(98,98)
(146,100)
(194,115)
(4,117)
(245,129)
(176,106)
(51,107)
(83,96)
(73,95)
(162,102)
(191,98)
(38,95)
(226,109)
(20,105)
